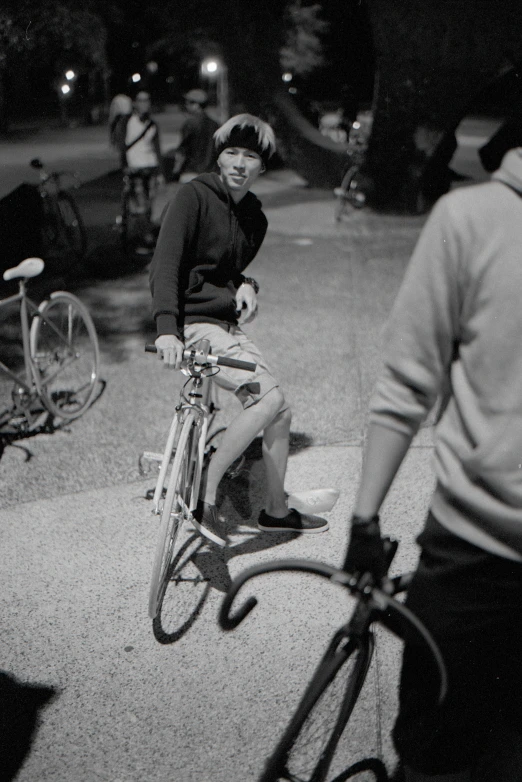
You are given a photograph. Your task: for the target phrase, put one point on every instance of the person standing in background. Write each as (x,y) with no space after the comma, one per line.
(195,153)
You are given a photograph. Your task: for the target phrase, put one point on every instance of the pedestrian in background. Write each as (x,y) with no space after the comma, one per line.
(195,153)
(456,328)
(137,138)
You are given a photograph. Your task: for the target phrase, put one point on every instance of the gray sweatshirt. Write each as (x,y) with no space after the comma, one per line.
(456,326)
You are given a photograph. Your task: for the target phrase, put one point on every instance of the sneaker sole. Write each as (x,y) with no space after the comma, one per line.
(310,531)
(208,534)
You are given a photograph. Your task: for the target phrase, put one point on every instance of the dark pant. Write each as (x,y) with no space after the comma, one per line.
(471,602)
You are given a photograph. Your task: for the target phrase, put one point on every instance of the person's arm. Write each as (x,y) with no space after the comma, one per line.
(157,149)
(384,453)
(177,233)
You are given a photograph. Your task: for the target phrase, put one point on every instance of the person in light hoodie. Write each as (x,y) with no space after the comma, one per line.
(456,330)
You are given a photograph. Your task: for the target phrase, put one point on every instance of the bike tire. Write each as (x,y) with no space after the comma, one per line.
(343,198)
(175,512)
(72,224)
(65,353)
(306,749)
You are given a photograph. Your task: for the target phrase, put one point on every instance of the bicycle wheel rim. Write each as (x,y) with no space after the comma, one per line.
(65,352)
(173,514)
(72,224)
(308,745)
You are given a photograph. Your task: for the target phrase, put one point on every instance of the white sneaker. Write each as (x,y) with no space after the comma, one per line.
(313,501)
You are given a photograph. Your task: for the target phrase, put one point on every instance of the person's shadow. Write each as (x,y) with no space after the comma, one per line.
(198,567)
(20,705)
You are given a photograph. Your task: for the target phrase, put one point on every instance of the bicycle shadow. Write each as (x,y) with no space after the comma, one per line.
(45,422)
(199,567)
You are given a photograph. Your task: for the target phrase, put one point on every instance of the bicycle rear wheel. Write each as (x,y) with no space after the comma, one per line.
(342,193)
(72,224)
(307,748)
(175,511)
(64,349)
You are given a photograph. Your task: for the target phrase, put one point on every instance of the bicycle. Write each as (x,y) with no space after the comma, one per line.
(135,224)
(307,748)
(63,230)
(60,356)
(349,192)
(190,444)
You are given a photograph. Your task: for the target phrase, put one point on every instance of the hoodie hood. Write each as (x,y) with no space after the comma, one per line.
(510,171)
(215,183)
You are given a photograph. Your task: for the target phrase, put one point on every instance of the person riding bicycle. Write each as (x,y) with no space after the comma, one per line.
(455,330)
(137,138)
(211,231)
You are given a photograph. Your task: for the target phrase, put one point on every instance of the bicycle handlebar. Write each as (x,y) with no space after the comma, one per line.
(209,359)
(383,601)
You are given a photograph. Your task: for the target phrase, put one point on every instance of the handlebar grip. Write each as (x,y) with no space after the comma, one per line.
(236,363)
(231,621)
(151,349)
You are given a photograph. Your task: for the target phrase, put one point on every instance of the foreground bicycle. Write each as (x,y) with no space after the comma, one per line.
(190,443)
(307,748)
(63,230)
(60,356)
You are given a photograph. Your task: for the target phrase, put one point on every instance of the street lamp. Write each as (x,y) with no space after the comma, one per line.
(214,68)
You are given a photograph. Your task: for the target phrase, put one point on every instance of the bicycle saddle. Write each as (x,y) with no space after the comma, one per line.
(31,267)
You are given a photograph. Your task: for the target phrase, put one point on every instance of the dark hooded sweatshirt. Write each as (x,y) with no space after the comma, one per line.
(205,243)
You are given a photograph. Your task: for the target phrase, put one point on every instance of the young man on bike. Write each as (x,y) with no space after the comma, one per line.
(211,231)
(455,331)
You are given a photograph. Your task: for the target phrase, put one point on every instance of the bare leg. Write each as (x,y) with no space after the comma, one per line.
(238,436)
(276,439)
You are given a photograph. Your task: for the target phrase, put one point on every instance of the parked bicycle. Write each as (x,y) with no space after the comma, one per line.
(190,443)
(137,231)
(349,193)
(60,356)
(307,748)
(63,230)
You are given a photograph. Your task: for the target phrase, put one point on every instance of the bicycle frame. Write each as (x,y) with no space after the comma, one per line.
(29,381)
(26,305)
(198,399)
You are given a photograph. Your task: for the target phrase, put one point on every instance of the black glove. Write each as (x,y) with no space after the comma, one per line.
(366,552)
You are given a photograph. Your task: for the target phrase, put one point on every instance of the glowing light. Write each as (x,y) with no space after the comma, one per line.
(136,78)
(211,67)
(287,76)
(65,89)
(69,75)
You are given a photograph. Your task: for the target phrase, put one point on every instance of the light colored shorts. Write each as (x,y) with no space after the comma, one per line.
(249,387)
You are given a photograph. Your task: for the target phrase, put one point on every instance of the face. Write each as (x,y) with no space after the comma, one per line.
(193,107)
(239,169)
(142,103)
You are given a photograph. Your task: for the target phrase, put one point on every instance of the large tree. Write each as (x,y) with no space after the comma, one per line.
(49,32)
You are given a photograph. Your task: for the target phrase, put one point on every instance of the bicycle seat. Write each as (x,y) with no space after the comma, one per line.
(31,267)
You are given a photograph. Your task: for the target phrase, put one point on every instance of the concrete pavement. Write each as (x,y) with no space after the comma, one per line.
(182,700)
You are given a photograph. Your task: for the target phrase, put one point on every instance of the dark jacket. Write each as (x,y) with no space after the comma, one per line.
(197,143)
(205,242)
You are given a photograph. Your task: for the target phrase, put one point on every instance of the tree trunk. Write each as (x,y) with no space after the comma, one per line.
(433,58)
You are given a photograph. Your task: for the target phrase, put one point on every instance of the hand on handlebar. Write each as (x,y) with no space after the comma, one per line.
(366,551)
(170,350)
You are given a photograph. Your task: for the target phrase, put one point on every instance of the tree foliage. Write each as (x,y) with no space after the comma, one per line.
(303,50)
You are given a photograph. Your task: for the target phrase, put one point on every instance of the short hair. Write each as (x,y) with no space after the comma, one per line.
(236,126)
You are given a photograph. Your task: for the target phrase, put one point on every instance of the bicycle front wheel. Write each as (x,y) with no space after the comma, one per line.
(175,511)
(65,353)
(308,745)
